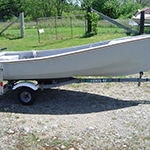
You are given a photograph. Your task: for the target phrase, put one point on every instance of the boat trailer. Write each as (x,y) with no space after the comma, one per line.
(27,89)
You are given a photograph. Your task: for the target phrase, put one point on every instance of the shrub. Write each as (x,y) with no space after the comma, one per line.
(94,19)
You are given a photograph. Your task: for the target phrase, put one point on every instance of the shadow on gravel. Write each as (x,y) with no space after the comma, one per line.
(60,102)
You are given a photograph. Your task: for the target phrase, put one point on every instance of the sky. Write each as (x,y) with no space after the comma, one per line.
(75,2)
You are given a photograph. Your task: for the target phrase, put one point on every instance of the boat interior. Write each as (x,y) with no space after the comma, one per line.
(9,56)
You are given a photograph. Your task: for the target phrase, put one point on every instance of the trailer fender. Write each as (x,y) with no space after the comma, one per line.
(30,85)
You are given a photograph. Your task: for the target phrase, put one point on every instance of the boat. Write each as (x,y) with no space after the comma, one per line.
(119,57)
(137,16)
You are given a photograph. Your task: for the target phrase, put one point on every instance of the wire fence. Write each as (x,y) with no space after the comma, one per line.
(58,28)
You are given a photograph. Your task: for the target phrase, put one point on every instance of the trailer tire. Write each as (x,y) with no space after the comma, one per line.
(26,96)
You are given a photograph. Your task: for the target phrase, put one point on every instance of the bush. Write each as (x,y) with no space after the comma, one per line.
(93,17)
(27,18)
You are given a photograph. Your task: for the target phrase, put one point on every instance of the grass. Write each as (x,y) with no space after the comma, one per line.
(10,38)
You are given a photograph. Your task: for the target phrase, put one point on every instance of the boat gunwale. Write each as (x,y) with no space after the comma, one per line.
(90,49)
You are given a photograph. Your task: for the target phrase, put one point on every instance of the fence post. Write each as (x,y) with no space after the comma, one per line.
(37,22)
(22,25)
(89,23)
(71,26)
(56,27)
(142,19)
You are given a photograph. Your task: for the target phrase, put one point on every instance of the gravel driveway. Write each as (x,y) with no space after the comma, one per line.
(82,116)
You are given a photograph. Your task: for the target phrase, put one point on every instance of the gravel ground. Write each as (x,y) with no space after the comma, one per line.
(79,117)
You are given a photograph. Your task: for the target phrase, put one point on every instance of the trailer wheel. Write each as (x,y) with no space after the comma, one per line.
(26,96)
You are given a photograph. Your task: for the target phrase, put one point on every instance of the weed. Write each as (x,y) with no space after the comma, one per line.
(107,85)
(17,117)
(114,118)
(75,85)
(56,142)
(9,116)
(72,139)
(147,138)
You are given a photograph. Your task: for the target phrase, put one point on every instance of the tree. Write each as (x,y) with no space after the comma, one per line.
(128,8)
(99,5)
(144,3)
(4,9)
(16,7)
(86,4)
(34,9)
(116,8)
(60,6)
(112,8)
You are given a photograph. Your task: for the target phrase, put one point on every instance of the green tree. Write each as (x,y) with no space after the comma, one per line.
(32,9)
(86,4)
(38,8)
(99,5)
(144,3)
(4,9)
(128,8)
(60,6)
(112,8)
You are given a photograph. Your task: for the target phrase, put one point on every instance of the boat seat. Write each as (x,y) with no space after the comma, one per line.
(9,57)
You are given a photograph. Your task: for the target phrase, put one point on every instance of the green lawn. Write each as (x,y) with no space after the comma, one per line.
(10,40)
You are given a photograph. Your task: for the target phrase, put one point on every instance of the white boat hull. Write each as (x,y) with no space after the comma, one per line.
(116,58)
